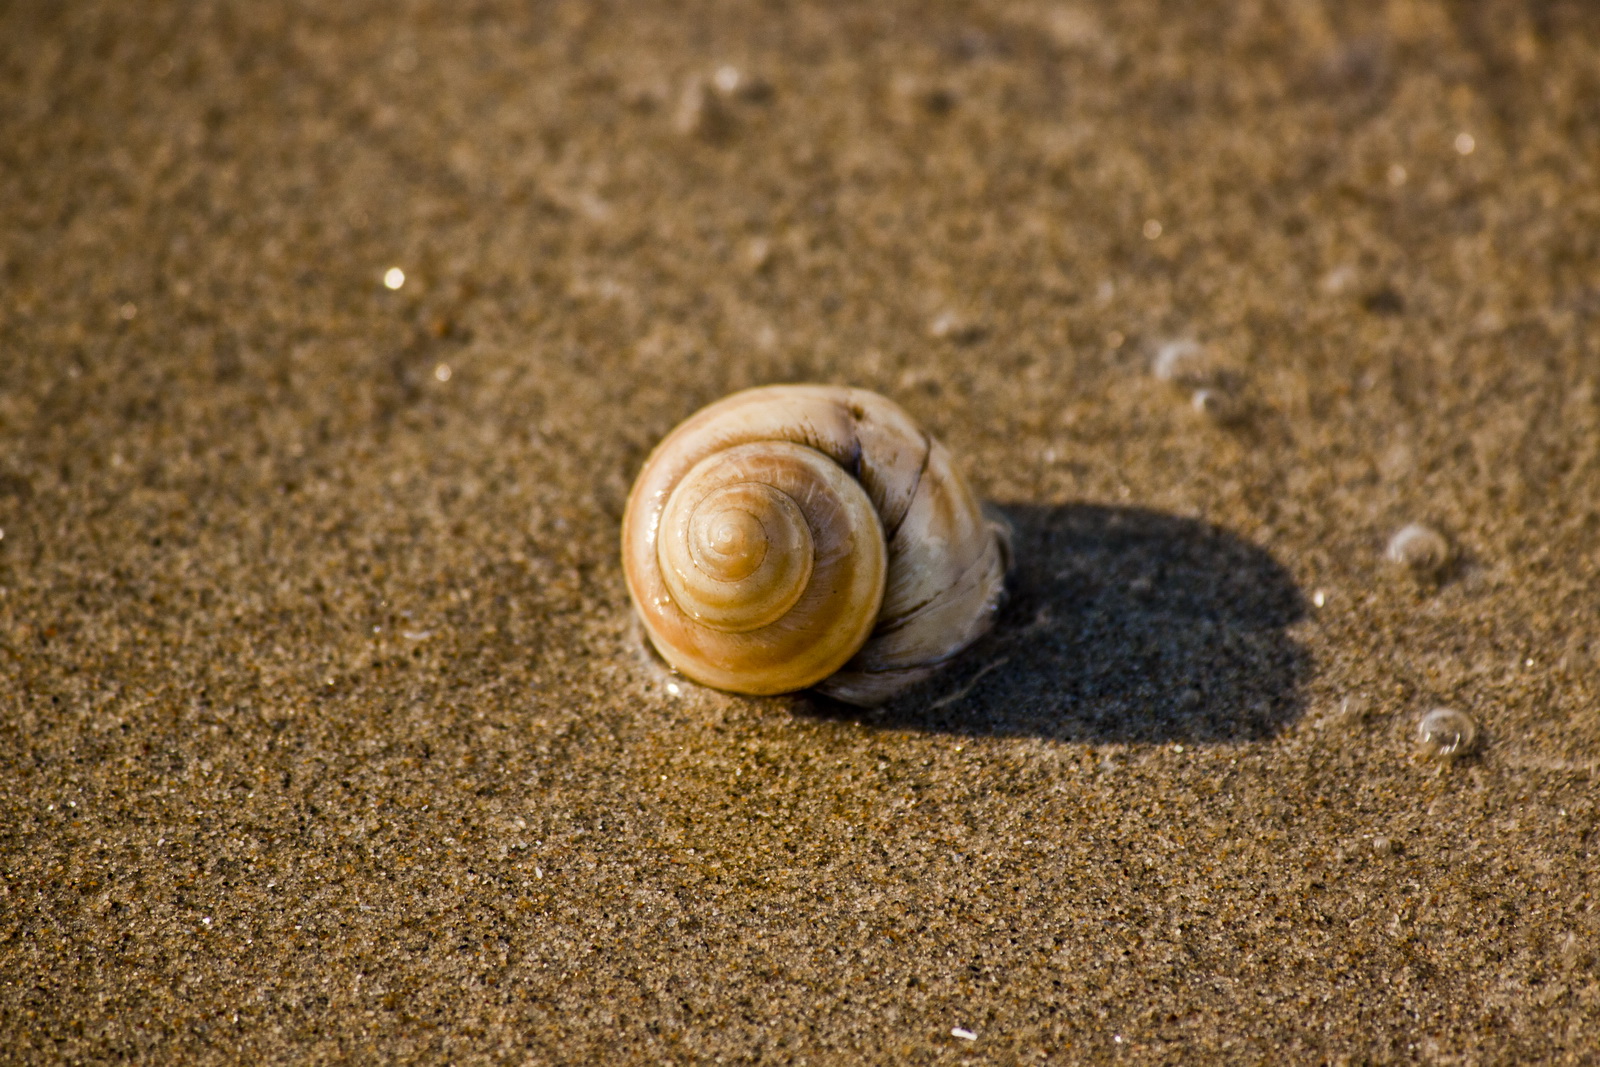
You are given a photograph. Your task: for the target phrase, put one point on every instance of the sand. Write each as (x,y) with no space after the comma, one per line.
(325,734)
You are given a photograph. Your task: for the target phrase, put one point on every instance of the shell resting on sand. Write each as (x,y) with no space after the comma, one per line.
(802,536)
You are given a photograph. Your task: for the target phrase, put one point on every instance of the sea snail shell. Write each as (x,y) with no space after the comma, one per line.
(799,536)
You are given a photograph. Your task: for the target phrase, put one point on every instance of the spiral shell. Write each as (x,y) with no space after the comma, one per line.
(803,536)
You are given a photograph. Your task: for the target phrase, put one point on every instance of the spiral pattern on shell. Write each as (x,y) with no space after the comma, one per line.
(809,536)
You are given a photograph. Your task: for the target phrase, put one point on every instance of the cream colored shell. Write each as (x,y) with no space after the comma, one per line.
(800,536)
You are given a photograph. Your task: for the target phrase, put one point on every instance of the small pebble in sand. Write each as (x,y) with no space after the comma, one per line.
(1383,846)
(1420,549)
(738,84)
(1181,363)
(1446,734)
(1338,280)
(933,99)
(1218,405)
(756,254)
(701,113)
(953,326)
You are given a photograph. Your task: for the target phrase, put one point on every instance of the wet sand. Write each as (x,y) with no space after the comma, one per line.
(325,734)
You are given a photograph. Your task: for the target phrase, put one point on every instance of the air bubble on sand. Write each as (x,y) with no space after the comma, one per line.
(1446,734)
(1421,549)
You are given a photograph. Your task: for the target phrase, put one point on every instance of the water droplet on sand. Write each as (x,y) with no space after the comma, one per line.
(1420,549)
(1446,734)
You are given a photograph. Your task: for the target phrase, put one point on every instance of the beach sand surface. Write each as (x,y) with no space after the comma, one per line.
(333,335)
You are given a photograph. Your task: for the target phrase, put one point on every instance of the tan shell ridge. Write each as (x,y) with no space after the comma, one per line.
(855,637)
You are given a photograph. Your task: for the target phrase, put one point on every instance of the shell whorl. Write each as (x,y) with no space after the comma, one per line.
(796,536)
